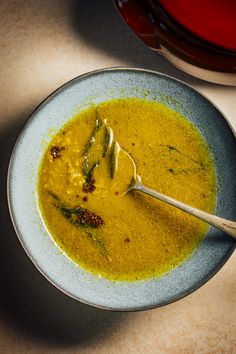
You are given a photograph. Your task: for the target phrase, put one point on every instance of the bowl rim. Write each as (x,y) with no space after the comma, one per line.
(11,213)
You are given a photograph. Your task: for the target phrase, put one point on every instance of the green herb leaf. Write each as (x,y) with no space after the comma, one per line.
(173,148)
(108,140)
(79,216)
(99,241)
(96,149)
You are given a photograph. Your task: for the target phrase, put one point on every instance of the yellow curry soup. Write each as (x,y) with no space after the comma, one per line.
(134,236)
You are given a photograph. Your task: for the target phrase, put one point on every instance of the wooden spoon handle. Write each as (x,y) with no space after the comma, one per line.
(229,227)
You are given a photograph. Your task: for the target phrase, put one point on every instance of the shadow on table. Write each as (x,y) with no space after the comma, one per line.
(27,299)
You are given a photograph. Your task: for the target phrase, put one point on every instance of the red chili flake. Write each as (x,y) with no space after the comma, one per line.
(127,239)
(85,198)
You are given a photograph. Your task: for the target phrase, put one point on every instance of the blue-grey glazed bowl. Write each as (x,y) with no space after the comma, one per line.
(50,116)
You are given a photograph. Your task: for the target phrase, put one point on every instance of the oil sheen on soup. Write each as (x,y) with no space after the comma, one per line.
(126,236)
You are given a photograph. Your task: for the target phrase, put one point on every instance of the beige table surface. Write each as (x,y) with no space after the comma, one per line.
(42,45)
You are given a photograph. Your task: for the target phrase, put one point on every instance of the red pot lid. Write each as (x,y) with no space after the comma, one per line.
(212,20)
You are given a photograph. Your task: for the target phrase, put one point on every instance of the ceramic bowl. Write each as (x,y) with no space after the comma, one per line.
(51,115)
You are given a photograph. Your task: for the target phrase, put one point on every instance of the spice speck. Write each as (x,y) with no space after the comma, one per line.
(55,151)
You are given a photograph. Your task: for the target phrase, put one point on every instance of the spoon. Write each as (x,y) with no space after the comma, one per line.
(229,227)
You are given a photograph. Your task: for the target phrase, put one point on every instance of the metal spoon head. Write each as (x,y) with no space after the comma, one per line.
(125,175)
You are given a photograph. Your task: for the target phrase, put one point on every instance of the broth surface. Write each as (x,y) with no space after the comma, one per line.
(140,237)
